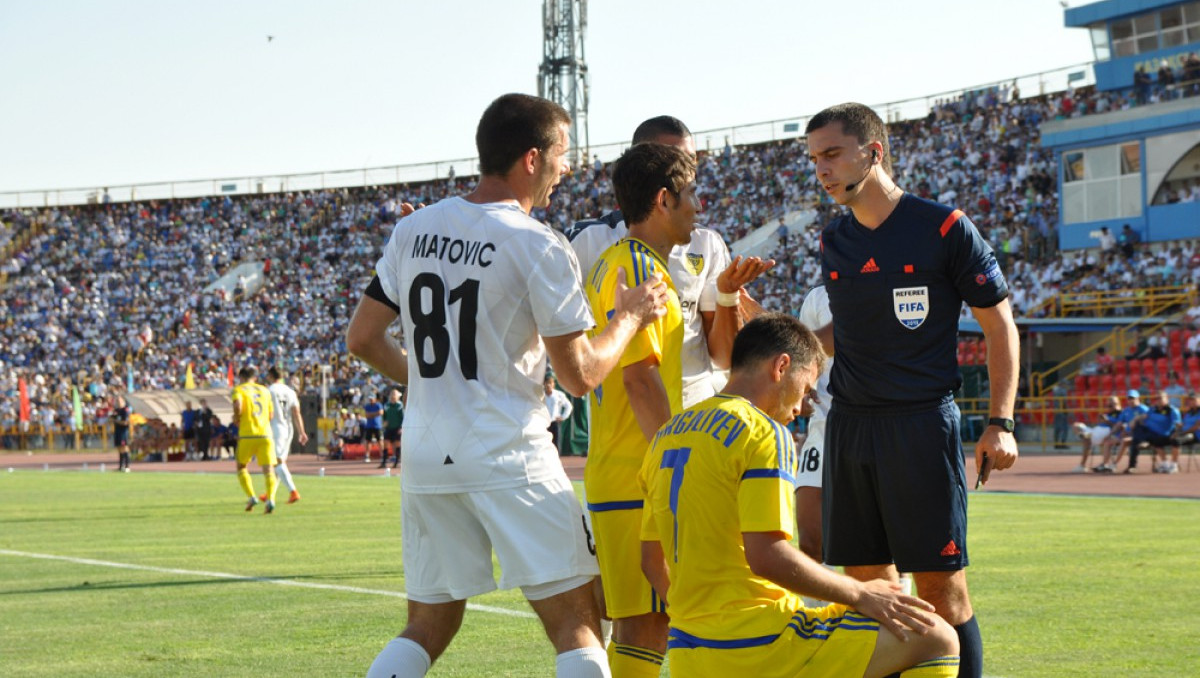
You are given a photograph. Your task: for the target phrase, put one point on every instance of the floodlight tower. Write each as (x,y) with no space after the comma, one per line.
(562,77)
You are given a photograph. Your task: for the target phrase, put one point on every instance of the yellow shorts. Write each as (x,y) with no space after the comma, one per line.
(826,641)
(261,449)
(627,593)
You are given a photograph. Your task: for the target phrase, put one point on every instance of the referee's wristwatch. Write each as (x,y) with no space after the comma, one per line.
(1007,424)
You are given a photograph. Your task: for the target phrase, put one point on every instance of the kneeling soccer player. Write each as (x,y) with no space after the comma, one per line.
(715,539)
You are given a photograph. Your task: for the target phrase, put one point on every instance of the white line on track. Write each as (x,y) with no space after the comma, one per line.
(246,578)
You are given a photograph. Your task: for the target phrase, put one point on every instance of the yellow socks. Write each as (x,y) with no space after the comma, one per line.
(272,485)
(629,661)
(938,667)
(244,480)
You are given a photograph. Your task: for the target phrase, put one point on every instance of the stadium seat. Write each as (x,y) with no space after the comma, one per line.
(1175,340)
(1161,366)
(1120,367)
(1147,367)
(1081,383)
(1093,383)
(1193,364)
(353,451)
(1177,365)
(1132,366)
(1194,379)
(1135,381)
(1107,383)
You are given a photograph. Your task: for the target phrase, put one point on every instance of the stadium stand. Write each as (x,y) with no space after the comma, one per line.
(96,296)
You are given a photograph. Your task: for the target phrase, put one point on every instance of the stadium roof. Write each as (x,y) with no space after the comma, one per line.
(1086,15)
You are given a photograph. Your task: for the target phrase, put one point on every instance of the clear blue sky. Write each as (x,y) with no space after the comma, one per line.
(110,92)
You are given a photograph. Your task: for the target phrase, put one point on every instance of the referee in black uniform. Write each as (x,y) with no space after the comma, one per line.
(898,269)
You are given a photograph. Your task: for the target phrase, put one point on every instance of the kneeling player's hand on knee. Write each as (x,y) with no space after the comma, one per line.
(901,614)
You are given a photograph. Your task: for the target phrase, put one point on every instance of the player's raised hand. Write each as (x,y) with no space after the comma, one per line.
(901,614)
(742,271)
(646,302)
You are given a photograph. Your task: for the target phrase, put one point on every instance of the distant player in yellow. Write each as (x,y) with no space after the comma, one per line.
(253,408)
(719,482)
(655,185)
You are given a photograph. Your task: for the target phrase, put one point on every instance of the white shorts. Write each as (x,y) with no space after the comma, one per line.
(1097,434)
(283,441)
(537,532)
(811,454)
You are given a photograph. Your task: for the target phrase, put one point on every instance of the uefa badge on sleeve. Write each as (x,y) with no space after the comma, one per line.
(911,305)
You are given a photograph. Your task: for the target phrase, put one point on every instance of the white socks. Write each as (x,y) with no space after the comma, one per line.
(586,662)
(401,658)
(286,476)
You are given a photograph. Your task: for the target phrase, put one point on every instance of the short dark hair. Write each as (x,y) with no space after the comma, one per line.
(645,169)
(513,124)
(248,372)
(660,126)
(858,121)
(274,373)
(770,334)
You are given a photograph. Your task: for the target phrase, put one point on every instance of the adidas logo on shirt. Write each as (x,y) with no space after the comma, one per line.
(870,266)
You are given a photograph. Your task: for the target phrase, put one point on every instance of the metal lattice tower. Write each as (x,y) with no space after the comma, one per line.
(562,77)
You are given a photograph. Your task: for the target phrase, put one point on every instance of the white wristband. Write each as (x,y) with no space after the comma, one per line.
(728,298)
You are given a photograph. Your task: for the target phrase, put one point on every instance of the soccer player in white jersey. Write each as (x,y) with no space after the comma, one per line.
(285,423)
(486,294)
(814,313)
(694,268)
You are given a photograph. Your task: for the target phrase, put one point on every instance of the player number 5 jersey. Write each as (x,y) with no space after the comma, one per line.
(255,407)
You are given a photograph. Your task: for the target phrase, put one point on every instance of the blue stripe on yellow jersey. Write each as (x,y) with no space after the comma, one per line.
(616,442)
(714,471)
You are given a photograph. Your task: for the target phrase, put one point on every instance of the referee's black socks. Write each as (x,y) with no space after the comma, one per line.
(970,649)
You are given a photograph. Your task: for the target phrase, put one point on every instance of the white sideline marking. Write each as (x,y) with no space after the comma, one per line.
(265,580)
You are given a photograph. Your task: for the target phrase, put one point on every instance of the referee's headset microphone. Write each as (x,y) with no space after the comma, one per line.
(870,166)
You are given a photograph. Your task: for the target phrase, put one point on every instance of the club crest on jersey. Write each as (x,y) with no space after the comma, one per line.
(695,263)
(911,305)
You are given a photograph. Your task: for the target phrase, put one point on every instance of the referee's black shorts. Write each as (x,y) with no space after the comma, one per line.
(895,487)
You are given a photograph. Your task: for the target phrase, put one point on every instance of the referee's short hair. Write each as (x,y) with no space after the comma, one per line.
(770,334)
(660,126)
(859,121)
(513,124)
(644,170)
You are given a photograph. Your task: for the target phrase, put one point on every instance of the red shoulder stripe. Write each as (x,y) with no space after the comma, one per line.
(954,216)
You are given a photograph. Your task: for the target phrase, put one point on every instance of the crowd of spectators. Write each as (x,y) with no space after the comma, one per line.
(103,294)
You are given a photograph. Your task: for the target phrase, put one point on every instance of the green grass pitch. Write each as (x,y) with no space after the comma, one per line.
(160,574)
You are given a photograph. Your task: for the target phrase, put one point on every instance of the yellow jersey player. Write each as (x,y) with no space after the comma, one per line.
(719,481)
(253,408)
(655,185)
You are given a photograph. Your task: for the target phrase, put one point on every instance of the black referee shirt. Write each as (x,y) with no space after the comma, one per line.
(895,293)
